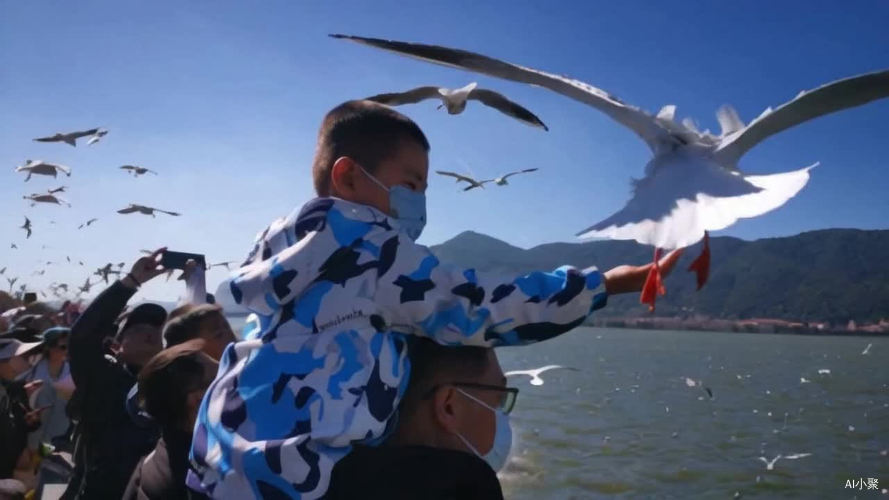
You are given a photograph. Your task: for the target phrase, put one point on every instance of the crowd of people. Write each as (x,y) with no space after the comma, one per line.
(367,370)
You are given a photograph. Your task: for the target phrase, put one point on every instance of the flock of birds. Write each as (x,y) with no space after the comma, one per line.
(692,184)
(51,196)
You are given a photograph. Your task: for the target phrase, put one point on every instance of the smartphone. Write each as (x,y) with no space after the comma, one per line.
(177,260)
(29,298)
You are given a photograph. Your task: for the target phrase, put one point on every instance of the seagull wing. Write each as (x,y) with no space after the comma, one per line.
(519,172)
(500,102)
(797,455)
(51,138)
(634,118)
(410,97)
(63,168)
(457,176)
(829,98)
(130,209)
(174,214)
(674,209)
(82,133)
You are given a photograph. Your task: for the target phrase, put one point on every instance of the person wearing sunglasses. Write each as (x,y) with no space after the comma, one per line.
(54,373)
(451,437)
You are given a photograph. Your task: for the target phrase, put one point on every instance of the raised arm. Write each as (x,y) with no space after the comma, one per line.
(452,305)
(94,325)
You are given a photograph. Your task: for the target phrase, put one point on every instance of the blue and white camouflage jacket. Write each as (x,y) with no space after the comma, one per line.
(336,287)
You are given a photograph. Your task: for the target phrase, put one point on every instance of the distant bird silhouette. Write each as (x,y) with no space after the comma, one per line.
(142,209)
(463,178)
(454,100)
(104,272)
(87,223)
(27,227)
(225,264)
(70,137)
(137,171)
(41,167)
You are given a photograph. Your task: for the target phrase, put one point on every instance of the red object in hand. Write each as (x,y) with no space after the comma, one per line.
(701,264)
(654,285)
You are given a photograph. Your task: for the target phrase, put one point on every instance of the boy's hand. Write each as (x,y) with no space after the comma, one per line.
(627,279)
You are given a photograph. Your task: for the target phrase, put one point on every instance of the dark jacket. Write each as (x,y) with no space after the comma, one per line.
(111,443)
(13,428)
(411,472)
(161,474)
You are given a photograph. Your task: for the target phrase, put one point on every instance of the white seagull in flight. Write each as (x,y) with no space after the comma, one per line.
(535,373)
(692,184)
(40,167)
(770,464)
(46,198)
(70,137)
(454,100)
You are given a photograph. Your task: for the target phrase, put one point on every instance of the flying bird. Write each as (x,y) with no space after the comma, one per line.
(87,223)
(137,171)
(45,198)
(103,272)
(11,282)
(770,464)
(535,373)
(60,189)
(866,350)
(70,137)
(3,270)
(455,100)
(13,246)
(86,286)
(501,181)
(27,227)
(225,264)
(692,184)
(142,209)
(100,133)
(463,178)
(41,167)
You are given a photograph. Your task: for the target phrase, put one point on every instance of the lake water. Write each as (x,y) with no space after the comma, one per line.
(627,425)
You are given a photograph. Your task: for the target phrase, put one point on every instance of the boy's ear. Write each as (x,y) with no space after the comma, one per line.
(342,177)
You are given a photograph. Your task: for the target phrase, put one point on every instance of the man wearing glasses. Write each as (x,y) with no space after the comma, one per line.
(452,432)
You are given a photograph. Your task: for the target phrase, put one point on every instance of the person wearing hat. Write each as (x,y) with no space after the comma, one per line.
(17,418)
(110,443)
(53,370)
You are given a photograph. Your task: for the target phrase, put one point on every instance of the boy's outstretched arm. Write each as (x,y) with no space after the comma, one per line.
(459,306)
(629,279)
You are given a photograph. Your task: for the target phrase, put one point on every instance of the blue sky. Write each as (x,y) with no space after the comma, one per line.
(224,100)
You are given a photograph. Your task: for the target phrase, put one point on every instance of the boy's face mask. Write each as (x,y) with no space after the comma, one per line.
(408,206)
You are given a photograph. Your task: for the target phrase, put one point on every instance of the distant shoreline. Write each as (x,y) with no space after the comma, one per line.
(754,326)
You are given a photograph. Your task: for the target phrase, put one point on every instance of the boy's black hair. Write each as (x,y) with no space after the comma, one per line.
(366,131)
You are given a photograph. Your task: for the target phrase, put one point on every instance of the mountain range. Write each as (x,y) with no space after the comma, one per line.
(832,275)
